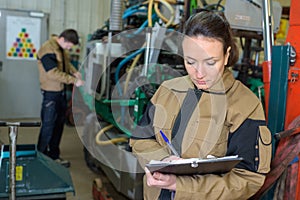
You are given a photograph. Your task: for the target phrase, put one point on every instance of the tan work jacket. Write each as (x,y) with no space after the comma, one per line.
(55,78)
(223,112)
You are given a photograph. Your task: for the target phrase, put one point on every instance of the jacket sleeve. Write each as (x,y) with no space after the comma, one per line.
(143,141)
(70,66)
(58,75)
(252,141)
(72,69)
(50,63)
(237,184)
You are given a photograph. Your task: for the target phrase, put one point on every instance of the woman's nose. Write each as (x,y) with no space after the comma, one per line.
(200,72)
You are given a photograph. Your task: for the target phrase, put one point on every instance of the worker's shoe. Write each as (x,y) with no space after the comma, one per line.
(63,162)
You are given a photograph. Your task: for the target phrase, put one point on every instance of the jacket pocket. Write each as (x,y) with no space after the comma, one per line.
(204,137)
(265,149)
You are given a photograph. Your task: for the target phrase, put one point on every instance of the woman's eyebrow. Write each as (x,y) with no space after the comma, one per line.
(188,57)
(205,59)
(210,58)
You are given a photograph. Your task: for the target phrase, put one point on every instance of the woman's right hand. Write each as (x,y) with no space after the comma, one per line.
(172,157)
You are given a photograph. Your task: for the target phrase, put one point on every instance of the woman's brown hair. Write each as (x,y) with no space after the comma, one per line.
(213,25)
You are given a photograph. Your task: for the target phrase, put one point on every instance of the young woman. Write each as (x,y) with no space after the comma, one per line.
(207,112)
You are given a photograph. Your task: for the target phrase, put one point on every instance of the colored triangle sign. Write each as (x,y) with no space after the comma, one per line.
(22,47)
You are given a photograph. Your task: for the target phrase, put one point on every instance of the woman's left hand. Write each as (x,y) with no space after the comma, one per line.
(165,181)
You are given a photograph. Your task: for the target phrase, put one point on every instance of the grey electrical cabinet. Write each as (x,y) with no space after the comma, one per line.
(248,15)
(21,33)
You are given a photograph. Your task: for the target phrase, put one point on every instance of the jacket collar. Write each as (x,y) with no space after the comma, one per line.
(54,43)
(221,86)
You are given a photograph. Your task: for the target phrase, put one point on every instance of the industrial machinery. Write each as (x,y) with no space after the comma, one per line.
(126,62)
(128,59)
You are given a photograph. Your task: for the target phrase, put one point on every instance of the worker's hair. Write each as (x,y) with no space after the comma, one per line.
(70,35)
(213,25)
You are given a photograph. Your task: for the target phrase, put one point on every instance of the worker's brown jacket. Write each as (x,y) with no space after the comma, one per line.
(50,64)
(227,120)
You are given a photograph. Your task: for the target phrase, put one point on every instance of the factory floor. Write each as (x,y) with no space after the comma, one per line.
(72,150)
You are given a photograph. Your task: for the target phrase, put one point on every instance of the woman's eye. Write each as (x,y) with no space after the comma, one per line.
(190,62)
(211,63)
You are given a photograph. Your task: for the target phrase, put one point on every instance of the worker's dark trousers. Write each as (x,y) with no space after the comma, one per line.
(53,111)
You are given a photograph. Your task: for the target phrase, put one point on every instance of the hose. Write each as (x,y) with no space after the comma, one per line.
(120,65)
(150,6)
(111,141)
(170,8)
(130,72)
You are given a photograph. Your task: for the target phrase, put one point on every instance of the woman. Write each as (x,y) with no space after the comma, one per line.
(205,113)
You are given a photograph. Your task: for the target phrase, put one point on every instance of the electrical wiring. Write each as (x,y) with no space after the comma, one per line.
(137,54)
(150,6)
(159,14)
(120,65)
(145,23)
(169,7)
(136,59)
(215,7)
(111,141)
(141,28)
(129,13)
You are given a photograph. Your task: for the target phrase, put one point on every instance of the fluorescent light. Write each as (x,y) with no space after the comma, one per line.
(36,14)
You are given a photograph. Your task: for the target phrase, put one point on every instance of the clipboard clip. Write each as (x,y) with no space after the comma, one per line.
(194,164)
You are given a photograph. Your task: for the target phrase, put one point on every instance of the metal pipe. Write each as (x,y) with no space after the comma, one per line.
(107,62)
(12,160)
(267,29)
(147,51)
(116,12)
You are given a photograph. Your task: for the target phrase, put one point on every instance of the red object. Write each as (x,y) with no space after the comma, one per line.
(266,79)
(293,93)
(99,191)
(298,184)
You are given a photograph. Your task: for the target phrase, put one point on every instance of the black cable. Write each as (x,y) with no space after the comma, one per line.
(254,3)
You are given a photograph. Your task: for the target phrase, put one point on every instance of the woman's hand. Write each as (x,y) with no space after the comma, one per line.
(165,181)
(172,157)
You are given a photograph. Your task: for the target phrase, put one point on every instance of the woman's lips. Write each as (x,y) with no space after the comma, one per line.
(201,82)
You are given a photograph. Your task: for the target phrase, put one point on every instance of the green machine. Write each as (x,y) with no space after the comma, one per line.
(122,73)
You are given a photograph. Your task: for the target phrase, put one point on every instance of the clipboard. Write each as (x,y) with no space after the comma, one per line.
(193,166)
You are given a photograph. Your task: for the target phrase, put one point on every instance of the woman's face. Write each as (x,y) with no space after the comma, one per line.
(204,60)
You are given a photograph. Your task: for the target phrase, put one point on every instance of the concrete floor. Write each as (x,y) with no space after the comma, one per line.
(72,150)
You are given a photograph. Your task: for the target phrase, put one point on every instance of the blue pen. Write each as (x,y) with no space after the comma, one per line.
(169,144)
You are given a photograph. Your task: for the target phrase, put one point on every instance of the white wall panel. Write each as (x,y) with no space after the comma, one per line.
(15,4)
(71,14)
(105,10)
(57,16)
(84,17)
(96,15)
(44,5)
(29,5)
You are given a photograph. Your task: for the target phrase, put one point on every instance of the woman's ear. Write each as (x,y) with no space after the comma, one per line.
(227,55)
